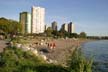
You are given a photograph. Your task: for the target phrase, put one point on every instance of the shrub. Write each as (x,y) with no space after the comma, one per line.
(15,60)
(78,63)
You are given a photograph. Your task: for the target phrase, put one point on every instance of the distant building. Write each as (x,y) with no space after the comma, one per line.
(65,27)
(46,26)
(25,20)
(38,20)
(54,25)
(71,27)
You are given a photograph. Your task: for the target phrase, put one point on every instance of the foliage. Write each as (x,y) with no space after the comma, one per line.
(19,40)
(98,37)
(74,35)
(51,68)
(49,31)
(10,26)
(82,35)
(55,33)
(15,60)
(63,33)
(78,63)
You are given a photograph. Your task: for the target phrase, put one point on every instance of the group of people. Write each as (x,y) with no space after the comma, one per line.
(51,45)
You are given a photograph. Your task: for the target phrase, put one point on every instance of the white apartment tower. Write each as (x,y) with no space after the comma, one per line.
(65,27)
(38,20)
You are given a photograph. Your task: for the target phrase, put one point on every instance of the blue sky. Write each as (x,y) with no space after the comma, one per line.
(90,16)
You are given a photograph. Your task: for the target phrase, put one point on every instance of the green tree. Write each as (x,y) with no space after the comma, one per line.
(10,26)
(73,35)
(49,31)
(82,35)
(62,33)
(55,33)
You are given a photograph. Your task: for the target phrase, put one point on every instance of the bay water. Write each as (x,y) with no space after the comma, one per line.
(98,51)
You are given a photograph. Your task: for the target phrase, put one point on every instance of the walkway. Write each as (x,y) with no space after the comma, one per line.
(2,45)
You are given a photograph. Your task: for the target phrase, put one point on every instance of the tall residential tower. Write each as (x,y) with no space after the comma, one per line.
(54,25)
(65,27)
(71,27)
(38,20)
(25,20)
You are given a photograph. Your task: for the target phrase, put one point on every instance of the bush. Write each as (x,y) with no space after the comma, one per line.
(15,60)
(78,63)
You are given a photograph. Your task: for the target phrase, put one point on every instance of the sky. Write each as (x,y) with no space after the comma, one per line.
(90,16)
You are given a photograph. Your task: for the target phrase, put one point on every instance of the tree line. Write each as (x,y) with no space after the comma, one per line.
(62,33)
(12,27)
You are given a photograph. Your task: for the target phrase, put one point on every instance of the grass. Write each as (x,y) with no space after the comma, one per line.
(78,63)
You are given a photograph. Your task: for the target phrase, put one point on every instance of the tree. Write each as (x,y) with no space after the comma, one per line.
(55,33)
(82,35)
(73,35)
(63,33)
(49,31)
(10,26)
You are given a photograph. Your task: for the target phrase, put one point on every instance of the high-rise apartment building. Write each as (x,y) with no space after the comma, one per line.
(71,27)
(46,27)
(38,20)
(54,25)
(25,20)
(65,27)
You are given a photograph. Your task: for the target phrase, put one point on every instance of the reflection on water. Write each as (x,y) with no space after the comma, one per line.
(99,51)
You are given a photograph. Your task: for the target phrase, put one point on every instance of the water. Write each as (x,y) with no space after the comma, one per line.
(99,51)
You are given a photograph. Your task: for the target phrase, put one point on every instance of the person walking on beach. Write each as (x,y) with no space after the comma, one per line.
(51,46)
(54,45)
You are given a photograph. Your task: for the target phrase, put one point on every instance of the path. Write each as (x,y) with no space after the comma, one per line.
(2,45)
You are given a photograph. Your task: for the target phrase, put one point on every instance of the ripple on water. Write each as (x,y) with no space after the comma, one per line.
(99,51)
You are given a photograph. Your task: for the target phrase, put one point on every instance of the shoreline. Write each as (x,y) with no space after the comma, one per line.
(58,55)
(63,50)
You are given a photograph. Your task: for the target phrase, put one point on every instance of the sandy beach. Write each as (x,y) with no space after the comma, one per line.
(62,50)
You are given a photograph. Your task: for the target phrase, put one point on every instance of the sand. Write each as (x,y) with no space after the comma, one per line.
(62,51)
